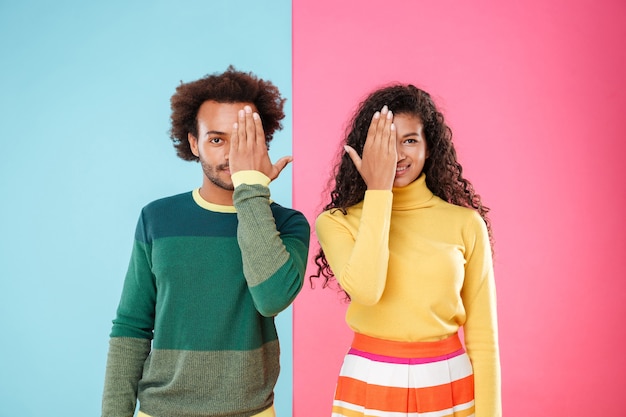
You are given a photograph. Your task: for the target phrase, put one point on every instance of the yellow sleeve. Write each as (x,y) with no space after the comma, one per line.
(250,177)
(481,326)
(357,250)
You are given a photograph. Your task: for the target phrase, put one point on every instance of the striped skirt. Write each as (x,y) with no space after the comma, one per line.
(383,378)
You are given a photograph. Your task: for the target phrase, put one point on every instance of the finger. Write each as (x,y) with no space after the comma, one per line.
(386,133)
(371,131)
(382,122)
(281,164)
(250,128)
(392,139)
(234,137)
(356,160)
(258,125)
(241,129)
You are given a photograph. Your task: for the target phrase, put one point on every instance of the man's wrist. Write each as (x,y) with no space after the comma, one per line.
(250,177)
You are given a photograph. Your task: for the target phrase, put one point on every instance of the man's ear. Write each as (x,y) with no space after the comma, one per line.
(193,144)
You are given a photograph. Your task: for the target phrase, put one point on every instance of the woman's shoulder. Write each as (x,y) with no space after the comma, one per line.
(337,216)
(466,215)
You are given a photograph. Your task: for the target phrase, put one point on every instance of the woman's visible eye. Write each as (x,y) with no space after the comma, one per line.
(411,140)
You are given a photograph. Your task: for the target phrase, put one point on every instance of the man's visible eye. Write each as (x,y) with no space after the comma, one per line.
(216,140)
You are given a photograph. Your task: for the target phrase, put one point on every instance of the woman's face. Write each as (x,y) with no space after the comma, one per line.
(411,148)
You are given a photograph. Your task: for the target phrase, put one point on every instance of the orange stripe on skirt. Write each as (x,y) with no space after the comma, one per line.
(406,349)
(379,377)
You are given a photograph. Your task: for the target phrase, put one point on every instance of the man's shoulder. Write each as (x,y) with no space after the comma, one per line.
(170,202)
(278,209)
(180,216)
(285,215)
(168,210)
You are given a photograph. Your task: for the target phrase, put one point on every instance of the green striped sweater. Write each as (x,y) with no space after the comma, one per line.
(194,333)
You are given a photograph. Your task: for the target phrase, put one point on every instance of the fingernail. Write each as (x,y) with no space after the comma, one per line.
(390,115)
(240,113)
(385,109)
(255,116)
(345,147)
(248,109)
(235,125)
(376,115)
(393,127)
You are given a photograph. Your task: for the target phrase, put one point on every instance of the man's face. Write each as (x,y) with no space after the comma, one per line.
(212,146)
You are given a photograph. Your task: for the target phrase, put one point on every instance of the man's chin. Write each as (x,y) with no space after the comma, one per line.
(228,186)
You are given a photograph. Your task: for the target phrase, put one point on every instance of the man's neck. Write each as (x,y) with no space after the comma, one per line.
(216,195)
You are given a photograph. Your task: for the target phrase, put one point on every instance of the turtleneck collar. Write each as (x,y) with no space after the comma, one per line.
(415,195)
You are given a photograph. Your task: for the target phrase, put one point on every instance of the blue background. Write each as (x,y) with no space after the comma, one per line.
(84,120)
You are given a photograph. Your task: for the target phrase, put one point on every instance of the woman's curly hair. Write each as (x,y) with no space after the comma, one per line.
(444,174)
(231,86)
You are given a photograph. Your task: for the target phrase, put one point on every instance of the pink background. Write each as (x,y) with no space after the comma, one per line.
(535,94)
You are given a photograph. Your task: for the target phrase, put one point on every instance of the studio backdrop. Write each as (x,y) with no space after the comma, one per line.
(534,93)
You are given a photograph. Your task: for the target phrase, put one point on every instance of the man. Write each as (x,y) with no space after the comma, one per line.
(194,333)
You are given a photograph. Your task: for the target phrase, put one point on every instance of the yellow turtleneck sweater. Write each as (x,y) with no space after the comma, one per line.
(417,269)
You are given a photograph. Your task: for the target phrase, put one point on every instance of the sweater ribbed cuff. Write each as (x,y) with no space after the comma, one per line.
(250,177)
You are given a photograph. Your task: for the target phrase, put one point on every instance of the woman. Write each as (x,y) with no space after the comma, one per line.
(408,240)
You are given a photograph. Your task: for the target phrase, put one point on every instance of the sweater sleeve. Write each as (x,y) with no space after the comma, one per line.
(481,327)
(132,332)
(124,369)
(359,258)
(274,256)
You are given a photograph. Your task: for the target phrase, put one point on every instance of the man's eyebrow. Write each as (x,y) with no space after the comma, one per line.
(215,132)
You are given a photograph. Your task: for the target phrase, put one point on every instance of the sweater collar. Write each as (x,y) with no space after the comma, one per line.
(414,195)
(211,206)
